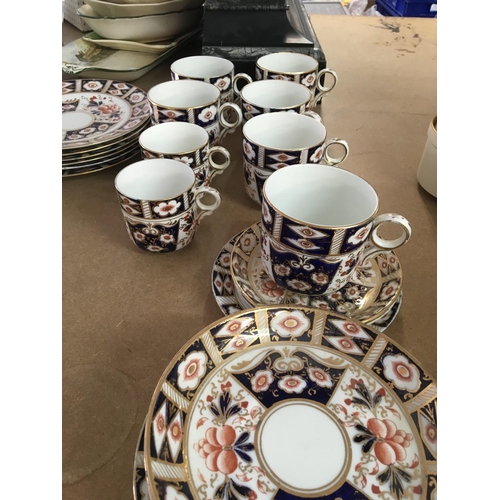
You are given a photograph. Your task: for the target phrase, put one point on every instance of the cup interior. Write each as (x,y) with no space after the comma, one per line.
(275,94)
(183,94)
(288,62)
(202,66)
(155,179)
(321,195)
(173,138)
(284,131)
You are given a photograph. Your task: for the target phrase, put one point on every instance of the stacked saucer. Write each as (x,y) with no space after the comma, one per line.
(101,123)
(373,294)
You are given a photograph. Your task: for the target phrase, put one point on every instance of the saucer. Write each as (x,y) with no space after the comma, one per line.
(288,401)
(97,111)
(367,298)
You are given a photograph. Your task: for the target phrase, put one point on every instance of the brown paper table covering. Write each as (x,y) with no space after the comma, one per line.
(126,312)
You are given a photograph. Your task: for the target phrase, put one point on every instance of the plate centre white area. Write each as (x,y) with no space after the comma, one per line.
(303,448)
(74,120)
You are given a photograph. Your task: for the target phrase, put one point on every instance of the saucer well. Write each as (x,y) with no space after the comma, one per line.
(369,294)
(282,402)
(226,294)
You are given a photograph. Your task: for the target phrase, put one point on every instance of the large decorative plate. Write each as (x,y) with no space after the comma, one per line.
(96,111)
(292,402)
(370,293)
(224,289)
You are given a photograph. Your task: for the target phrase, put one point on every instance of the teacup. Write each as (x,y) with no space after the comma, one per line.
(315,211)
(275,140)
(159,198)
(211,69)
(194,102)
(295,67)
(187,143)
(271,96)
(307,273)
(164,236)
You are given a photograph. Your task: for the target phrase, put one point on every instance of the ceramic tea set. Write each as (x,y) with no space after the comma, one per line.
(306,291)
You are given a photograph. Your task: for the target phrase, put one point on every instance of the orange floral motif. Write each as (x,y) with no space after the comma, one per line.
(390,442)
(216,448)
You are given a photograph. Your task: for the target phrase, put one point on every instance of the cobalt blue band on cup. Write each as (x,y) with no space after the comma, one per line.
(210,69)
(307,273)
(323,211)
(194,102)
(295,67)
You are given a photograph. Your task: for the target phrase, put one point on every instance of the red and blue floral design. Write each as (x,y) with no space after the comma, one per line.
(216,398)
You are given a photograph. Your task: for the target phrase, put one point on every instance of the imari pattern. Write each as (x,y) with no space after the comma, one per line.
(220,400)
(163,209)
(307,79)
(162,236)
(113,110)
(302,237)
(272,159)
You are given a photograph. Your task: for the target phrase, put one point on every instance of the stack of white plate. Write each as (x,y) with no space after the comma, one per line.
(142,21)
(101,123)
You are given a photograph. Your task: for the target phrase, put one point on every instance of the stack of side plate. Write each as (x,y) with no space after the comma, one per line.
(101,123)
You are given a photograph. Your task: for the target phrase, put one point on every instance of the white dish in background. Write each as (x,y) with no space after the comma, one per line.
(88,60)
(142,28)
(150,48)
(108,9)
(135,2)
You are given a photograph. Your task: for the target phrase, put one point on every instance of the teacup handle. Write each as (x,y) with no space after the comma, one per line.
(323,89)
(218,168)
(206,209)
(240,76)
(228,126)
(335,161)
(383,243)
(314,115)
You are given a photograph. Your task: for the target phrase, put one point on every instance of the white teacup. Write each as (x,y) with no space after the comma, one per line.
(211,69)
(271,96)
(161,205)
(187,143)
(275,140)
(195,102)
(316,225)
(295,67)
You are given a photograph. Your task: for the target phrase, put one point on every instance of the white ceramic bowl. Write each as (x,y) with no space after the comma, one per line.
(108,9)
(142,28)
(125,2)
